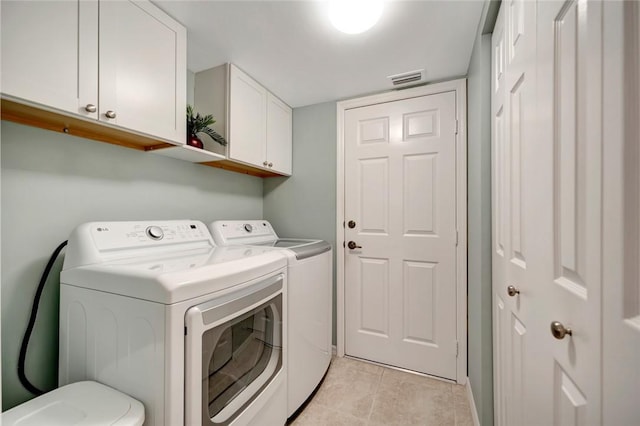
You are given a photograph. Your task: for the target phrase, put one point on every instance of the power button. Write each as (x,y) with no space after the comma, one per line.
(155,232)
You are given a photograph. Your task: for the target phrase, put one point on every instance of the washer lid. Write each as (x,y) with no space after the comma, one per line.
(300,247)
(77,404)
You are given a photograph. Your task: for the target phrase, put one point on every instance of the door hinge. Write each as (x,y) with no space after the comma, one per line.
(456,127)
(457,239)
(185,331)
(457,349)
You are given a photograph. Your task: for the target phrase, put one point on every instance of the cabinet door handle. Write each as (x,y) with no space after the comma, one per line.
(90,108)
(265,163)
(110,114)
(270,164)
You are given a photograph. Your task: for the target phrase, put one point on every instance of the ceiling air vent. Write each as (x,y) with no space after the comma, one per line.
(406,78)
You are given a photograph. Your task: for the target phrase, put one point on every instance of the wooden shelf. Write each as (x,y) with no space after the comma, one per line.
(242,168)
(76,126)
(61,122)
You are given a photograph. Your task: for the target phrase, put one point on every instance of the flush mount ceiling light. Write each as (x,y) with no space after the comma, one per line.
(354,16)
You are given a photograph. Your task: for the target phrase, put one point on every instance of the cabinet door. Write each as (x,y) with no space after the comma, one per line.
(50,53)
(278,135)
(142,69)
(247,119)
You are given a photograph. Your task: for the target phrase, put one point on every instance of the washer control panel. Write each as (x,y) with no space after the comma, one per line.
(241,231)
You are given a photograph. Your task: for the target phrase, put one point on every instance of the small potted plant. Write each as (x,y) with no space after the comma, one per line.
(200,124)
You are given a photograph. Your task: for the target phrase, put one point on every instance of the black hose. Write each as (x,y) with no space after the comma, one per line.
(32,320)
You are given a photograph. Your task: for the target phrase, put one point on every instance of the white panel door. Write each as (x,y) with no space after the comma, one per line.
(547,212)
(142,69)
(514,174)
(279,137)
(566,255)
(247,119)
(499,217)
(400,190)
(621,196)
(50,53)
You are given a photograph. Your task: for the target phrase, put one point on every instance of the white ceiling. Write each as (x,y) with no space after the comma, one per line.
(292,49)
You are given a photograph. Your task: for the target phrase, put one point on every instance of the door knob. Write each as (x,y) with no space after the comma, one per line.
(512,291)
(90,108)
(559,331)
(352,245)
(351,224)
(110,114)
(270,164)
(264,163)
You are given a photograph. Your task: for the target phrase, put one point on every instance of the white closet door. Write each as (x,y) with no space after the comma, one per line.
(514,178)
(621,201)
(499,217)
(548,222)
(568,248)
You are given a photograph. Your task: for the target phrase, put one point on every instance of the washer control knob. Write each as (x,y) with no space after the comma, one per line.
(155,232)
(248,227)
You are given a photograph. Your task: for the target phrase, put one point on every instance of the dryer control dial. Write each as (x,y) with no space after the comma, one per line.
(248,227)
(155,232)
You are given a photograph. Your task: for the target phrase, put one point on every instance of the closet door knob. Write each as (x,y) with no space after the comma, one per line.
(559,330)
(90,108)
(265,163)
(270,164)
(110,114)
(512,291)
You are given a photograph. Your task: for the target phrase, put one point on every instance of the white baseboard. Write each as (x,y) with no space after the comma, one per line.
(472,404)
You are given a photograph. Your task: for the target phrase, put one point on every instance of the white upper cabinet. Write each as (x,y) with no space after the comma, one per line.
(247,119)
(142,72)
(50,54)
(259,125)
(57,54)
(279,137)
(256,124)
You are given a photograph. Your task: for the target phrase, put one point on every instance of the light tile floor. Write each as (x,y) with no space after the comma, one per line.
(356,393)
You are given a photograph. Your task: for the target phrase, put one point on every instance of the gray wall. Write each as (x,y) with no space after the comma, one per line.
(479,225)
(304,205)
(52,182)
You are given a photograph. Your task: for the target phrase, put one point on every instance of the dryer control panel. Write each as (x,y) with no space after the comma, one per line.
(120,235)
(96,242)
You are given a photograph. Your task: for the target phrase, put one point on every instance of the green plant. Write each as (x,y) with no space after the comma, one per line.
(200,124)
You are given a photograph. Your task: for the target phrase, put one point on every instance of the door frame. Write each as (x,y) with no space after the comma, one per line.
(458,86)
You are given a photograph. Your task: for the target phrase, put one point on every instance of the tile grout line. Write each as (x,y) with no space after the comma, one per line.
(375,396)
(455,411)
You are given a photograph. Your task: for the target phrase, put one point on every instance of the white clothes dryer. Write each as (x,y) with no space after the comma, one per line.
(310,284)
(195,332)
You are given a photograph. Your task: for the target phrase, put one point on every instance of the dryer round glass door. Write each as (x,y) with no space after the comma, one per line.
(239,354)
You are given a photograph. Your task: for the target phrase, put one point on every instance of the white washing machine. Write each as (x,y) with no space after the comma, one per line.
(195,332)
(310,300)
